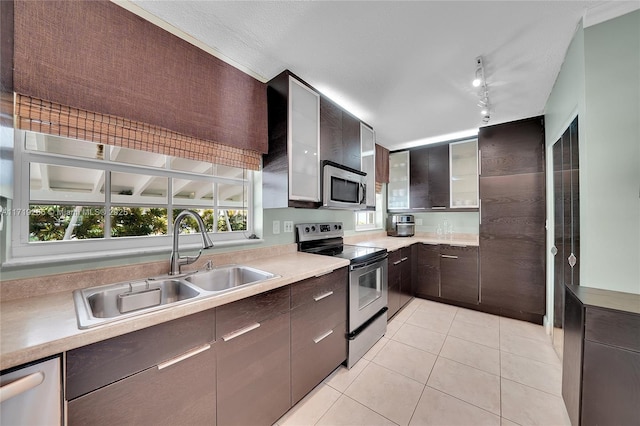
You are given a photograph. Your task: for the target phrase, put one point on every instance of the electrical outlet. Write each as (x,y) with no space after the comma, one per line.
(276,227)
(288,226)
(418,222)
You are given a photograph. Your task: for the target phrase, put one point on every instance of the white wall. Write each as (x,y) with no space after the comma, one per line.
(600,82)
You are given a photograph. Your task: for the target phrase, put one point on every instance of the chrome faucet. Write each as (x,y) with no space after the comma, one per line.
(176,260)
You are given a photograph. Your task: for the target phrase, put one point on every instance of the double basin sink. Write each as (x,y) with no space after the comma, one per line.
(111,302)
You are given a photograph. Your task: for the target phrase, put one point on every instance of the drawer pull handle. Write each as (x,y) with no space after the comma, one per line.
(403,259)
(240,332)
(458,245)
(21,385)
(321,338)
(184,356)
(439,208)
(397,262)
(324,273)
(322,296)
(447,256)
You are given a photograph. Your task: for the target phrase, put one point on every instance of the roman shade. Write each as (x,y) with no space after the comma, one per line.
(93,68)
(55,119)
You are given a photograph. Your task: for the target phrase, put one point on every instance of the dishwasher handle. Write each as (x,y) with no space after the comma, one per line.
(22,385)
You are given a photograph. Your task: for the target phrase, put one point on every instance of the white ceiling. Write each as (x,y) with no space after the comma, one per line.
(404,67)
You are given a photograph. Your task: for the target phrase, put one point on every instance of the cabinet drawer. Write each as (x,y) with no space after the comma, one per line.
(311,320)
(254,375)
(613,328)
(252,310)
(310,289)
(312,362)
(93,366)
(182,393)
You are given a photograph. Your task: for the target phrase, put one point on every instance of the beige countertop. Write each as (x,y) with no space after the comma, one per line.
(35,327)
(40,326)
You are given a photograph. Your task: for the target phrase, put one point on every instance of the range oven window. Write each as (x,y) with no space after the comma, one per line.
(369,287)
(344,190)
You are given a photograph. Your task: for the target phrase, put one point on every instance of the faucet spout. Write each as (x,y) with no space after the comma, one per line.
(176,260)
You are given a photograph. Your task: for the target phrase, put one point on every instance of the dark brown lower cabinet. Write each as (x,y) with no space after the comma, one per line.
(165,374)
(601,359)
(406,279)
(459,273)
(253,363)
(182,393)
(318,330)
(427,267)
(399,280)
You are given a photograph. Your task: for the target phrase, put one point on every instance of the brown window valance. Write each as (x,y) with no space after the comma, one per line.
(48,117)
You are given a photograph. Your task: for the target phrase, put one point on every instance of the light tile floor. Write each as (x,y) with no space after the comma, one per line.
(443,365)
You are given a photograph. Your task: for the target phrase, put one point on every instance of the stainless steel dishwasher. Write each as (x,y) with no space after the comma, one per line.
(31,395)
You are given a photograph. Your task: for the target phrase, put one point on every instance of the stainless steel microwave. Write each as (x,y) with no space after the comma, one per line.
(343,187)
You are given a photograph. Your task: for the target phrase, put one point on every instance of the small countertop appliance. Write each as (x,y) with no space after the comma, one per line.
(401,225)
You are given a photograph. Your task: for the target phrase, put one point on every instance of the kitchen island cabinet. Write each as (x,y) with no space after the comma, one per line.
(253,359)
(318,330)
(122,379)
(601,362)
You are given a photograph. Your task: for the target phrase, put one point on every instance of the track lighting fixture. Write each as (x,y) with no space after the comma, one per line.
(483,92)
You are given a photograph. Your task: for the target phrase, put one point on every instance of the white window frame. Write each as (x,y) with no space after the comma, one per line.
(21,249)
(377,216)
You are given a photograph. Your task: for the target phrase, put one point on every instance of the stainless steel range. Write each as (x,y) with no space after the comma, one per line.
(367,316)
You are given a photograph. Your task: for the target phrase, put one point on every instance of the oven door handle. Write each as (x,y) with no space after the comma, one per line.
(368,263)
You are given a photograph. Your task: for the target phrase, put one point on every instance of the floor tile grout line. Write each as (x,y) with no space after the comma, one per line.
(462,400)
(330,406)
(531,387)
(369,408)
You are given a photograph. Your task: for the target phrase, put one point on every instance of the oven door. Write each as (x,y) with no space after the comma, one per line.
(367,291)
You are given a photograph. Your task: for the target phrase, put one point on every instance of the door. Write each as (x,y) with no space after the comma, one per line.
(566,214)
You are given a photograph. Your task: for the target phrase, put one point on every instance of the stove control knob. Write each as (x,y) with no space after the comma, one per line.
(335,226)
(306,229)
(339,226)
(313,228)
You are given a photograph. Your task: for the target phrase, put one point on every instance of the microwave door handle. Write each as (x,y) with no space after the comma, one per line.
(364,193)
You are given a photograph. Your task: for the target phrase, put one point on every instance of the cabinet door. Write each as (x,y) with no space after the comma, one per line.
(459,273)
(419,179)
(254,375)
(439,177)
(427,277)
(610,386)
(351,141)
(330,131)
(464,174)
(398,187)
(93,366)
(382,164)
(393,281)
(303,142)
(183,393)
(572,356)
(512,243)
(368,153)
(314,357)
(406,284)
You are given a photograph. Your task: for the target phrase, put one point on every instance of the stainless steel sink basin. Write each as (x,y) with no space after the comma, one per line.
(97,305)
(228,277)
(107,303)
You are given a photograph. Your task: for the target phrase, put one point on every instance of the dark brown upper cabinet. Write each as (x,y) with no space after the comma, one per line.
(339,135)
(382,164)
(419,179)
(291,170)
(438,177)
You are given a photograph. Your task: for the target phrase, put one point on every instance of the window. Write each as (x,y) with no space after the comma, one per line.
(75,197)
(370,219)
